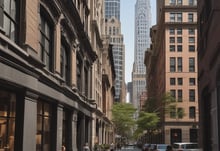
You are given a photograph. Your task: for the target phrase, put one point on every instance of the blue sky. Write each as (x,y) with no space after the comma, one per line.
(127,27)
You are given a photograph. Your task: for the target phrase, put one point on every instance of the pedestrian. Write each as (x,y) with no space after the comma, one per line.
(63,148)
(112,146)
(169,148)
(86,147)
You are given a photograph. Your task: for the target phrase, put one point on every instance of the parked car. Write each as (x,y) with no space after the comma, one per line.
(145,146)
(187,146)
(148,147)
(161,147)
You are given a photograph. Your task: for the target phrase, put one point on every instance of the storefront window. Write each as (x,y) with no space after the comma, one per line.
(43,137)
(7,120)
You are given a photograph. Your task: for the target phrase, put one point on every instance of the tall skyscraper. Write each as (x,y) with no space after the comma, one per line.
(142,42)
(112,8)
(113,29)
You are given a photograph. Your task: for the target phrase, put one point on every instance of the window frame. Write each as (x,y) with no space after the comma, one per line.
(192,48)
(192,112)
(172,81)
(43,116)
(179,64)
(172,48)
(192,81)
(192,95)
(13,19)
(180,95)
(172,64)
(191,64)
(190,17)
(65,70)
(47,37)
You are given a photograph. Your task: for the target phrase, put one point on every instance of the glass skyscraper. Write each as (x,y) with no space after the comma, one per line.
(142,42)
(112,8)
(113,28)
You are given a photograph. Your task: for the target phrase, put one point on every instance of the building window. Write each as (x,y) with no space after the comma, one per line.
(44,126)
(179,64)
(66,129)
(192,95)
(191,64)
(190,17)
(173,93)
(179,2)
(179,17)
(192,81)
(172,31)
(114,31)
(191,48)
(65,63)
(172,2)
(172,112)
(172,39)
(172,17)
(7,120)
(172,64)
(46,42)
(180,81)
(179,31)
(79,73)
(180,95)
(172,81)
(8,21)
(191,39)
(179,39)
(180,112)
(110,30)
(86,87)
(192,112)
(172,48)
(191,31)
(191,2)
(179,48)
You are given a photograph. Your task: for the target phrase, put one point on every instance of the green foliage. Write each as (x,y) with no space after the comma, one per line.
(122,117)
(146,121)
(150,105)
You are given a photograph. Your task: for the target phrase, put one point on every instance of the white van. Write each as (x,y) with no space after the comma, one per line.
(185,147)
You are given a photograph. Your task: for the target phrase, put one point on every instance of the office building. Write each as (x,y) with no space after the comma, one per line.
(113,29)
(112,8)
(47,53)
(142,42)
(172,70)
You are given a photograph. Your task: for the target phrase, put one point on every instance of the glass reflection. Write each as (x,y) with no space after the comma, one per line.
(7,120)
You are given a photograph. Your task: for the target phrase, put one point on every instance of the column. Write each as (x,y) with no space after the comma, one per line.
(57,47)
(82,131)
(30,122)
(74,130)
(59,123)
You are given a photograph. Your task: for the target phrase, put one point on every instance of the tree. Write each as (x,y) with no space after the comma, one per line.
(146,121)
(149,118)
(122,118)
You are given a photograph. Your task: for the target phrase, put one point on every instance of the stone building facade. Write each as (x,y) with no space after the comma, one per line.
(209,73)
(48,95)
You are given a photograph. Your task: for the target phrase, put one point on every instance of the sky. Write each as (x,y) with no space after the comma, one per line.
(127,29)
